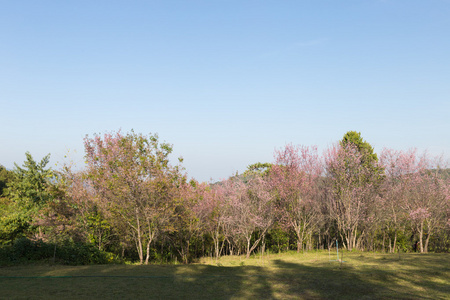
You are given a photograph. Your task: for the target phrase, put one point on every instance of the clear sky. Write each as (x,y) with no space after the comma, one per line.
(226,82)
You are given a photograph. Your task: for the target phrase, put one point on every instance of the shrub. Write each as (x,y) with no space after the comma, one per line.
(24,250)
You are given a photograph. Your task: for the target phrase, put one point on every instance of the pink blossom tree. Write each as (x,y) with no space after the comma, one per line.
(416,193)
(295,176)
(211,212)
(352,184)
(399,168)
(134,183)
(249,210)
(193,216)
(67,212)
(428,201)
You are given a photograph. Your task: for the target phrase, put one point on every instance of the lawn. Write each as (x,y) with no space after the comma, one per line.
(277,276)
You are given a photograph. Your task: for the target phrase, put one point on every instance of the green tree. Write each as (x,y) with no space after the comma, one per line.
(260,169)
(30,184)
(369,159)
(27,193)
(5,177)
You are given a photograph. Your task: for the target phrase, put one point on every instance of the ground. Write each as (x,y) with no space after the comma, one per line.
(313,275)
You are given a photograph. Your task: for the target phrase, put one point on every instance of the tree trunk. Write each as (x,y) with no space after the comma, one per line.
(348,240)
(216,241)
(139,242)
(344,244)
(354,233)
(359,241)
(148,252)
(426,242)
(299,233)
(248,246)
(263,246)
(216,246)
(99,241)
(395,241)
(255,244)
(310,241)
(186,253)
(421,237)
(319,244)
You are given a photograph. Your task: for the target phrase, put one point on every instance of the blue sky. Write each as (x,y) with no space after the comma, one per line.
(226,82)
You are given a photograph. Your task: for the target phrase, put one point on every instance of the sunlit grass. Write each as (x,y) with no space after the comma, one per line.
(312,275)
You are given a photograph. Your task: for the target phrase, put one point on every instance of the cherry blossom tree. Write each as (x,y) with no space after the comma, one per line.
(426,205)
(190,215)
(249,209)
(416,192)
(353,182)
(294,176)
(134,183)
(399,168)
(211,212)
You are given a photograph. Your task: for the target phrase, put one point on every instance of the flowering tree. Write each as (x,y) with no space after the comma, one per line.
(189,217)
(428,200)
(249,209)
(65,214)
(400,167)
(262,199)
(416,192)
(134,183)
(294,176)
(353,182)
(211,211)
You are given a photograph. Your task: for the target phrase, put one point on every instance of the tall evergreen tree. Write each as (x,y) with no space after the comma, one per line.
(27,192)
(5,177)
(29,187)
(369,159)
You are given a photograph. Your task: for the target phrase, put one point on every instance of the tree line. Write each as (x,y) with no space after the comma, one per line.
(131,202)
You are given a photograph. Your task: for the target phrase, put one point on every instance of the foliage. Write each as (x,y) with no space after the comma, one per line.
(28,192)
(29,187)
(5,177)
(13,223)
(130,201)
(67,252)
(355,138)
(258,169)
(415,194)
(353,141)
(294,179)
(351,191)
(134,184)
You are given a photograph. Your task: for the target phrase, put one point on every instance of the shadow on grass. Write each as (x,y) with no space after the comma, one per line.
(428,276)
(325,281)
(332,280)
(139,282)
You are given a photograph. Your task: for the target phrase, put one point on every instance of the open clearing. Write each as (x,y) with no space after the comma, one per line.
(277,276)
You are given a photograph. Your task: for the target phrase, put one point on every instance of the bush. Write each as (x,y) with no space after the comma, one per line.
(24,250)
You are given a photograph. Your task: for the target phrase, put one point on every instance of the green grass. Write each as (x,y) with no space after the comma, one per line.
(281,276)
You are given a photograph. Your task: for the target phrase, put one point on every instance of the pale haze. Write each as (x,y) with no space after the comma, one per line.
(225,82)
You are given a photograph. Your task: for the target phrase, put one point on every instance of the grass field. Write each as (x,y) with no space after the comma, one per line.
(278,276)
